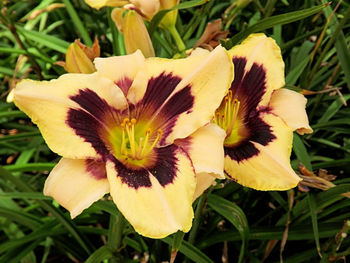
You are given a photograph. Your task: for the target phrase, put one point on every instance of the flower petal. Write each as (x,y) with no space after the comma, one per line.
(204,181)
(117,17)
(148,7)
(97,4)
(158,201)
(205,148)
(268,167)
(261,57)
(290,106)
(179,96)
(68,111)
(76,184)
(120,69)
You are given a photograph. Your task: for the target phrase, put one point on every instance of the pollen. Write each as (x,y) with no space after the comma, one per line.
(227,115)
(137,147)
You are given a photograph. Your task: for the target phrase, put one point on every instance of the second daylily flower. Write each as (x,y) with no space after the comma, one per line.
(259,117)
(134,129)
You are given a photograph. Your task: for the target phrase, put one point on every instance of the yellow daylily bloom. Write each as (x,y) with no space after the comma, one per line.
(136,128)
(259,117)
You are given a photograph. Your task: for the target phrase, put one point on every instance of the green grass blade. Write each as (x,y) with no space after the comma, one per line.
(100,255)
(343,51)
(77,22)
(313,213)
(190,251)
(301,152)
(67,223)
(24,195)
(158,17)
(20,217)
(271,22)
(235,215)
(44,39)
(333,109)
(27,167)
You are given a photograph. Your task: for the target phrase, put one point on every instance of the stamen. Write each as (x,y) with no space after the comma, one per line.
(148,131)
(123,147)
(234,112)
(133,148)
(226,118)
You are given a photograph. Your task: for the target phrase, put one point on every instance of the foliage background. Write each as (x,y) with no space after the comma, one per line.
(232,223)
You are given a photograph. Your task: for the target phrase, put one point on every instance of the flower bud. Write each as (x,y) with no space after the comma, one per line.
(169,20)
(77,61)
(135,33)
(97,4)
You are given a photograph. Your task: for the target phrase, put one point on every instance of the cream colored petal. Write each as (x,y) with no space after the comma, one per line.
(290,106)
(158,210)
(204,181)
(148,7)
(76,184)
(120,67)
(205,148)
(48,103)
(270,168)
(262,50)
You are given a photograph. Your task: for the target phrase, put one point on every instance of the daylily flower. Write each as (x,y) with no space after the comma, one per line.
(259,117)
(135,129)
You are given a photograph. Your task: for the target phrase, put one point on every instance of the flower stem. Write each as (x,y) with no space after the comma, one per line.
(197,218)
(178,40)
(115,233)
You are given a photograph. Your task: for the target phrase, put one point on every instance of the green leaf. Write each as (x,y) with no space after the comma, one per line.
(296,232)
(177,240)
(100,254)
(44,39)
(341,46)
(77,22)
(295,73)
(271,22)
(190,251)
(313,213)
(61,218)
(333,109)
(24,195)
(20,217)
(322,199)
(301,152)
(235,215)
(27,167)
(158,17)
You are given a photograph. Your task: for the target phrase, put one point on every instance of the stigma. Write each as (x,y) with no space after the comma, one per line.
(139,147)
(226,116)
